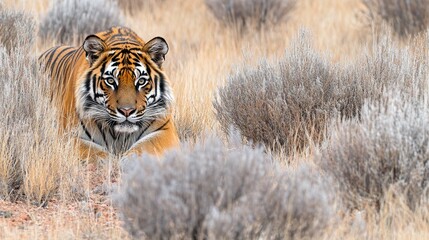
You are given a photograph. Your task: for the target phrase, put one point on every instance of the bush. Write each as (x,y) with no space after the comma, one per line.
(134,6)
(218,192)
(387,150)
(404,16)
(70,21)
(16,30)
(35,161)
(387,67)
(250,13)
(286,103)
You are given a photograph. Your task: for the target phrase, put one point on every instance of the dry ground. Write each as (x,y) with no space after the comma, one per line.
(202,54)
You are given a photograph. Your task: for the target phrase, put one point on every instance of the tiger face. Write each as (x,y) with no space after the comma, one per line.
(124,88)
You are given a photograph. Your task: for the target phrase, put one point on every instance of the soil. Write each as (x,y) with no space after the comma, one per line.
(95,209)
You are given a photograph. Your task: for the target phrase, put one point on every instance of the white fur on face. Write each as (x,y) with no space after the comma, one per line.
(110,70)
(141,73)
(126,128)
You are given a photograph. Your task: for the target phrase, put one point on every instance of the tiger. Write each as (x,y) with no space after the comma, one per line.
(113,90)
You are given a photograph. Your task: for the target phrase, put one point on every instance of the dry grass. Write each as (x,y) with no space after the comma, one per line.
(203,53)
(29,133)
(17,29)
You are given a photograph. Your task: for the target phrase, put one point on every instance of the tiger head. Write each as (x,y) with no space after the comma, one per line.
(124,87)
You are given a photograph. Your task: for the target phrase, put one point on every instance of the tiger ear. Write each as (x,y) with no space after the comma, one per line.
(157,48)
(93,47)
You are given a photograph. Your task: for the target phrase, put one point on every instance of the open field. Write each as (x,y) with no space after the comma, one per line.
(330,104)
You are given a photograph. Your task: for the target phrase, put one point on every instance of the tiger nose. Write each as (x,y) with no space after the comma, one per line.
(126,111)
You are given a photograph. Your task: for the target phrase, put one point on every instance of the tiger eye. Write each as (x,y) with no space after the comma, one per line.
(141,81)
(110,81)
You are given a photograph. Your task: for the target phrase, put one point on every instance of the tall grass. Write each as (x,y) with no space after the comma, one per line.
(35,161)
(16,30)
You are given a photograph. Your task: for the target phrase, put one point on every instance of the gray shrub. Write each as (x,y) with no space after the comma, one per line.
(385,68)
(221,192)
(387,150)
(406,17)
(134,6)
(21,114)
(70,21)
(28,125)
(250,13)
(287,102)
(18,71)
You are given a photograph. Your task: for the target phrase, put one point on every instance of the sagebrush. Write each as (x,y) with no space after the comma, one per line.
(221,192)
(404,16)
(386,150)
(134,6)
(70,21)
(288,102)
(385,67)
(251,13)
(285,103)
